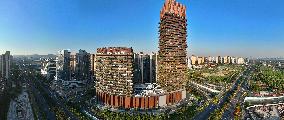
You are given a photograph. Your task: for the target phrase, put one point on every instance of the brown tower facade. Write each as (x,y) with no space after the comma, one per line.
(172,65)
(114,70)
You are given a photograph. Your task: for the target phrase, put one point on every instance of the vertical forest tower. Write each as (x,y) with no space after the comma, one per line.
(172,63)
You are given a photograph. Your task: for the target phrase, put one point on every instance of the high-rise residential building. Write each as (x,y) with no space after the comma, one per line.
(136,68)
(5,69)
(210,59)
(142,67)
(172,46)
(189,65)
(203,59)
(229,60)
(172,63)
(5,64)
(233,60)
(93,64)
(83,66)
(213,60)
(218,59)
(63,69)
(241,60)
(194,60)
(146,69)
(222,60)
(114,70)
(200,60)
(153,67)
(73,65)
(226,59)
(49,68)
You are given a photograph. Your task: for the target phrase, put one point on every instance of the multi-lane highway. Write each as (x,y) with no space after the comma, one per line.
(42,103)
(34,84)
(212,107)
(238,98)
(58,102)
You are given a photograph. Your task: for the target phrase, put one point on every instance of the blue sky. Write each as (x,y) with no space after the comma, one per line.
(215,27)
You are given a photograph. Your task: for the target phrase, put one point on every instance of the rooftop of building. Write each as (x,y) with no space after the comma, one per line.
(115,50)
(171,6)
(148,89)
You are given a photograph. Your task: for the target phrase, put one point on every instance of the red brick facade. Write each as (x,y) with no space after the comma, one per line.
(146,102)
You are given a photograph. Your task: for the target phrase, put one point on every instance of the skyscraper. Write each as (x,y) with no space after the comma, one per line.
(93,64)
(137,73)
(5,64)
(5,69)
(83,65)
(153,67)
(142,68)
(73,65)
(63,69)
(172,63)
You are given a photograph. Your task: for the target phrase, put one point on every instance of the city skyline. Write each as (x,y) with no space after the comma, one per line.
(245,28)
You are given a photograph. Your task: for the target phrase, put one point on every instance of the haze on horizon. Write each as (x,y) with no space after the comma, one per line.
(221,27)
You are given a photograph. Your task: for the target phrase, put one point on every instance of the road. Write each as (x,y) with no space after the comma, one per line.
(229,113)
(211,107)
(58,102)
(40,91)
(41,101)
(238,98)
(42,104)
